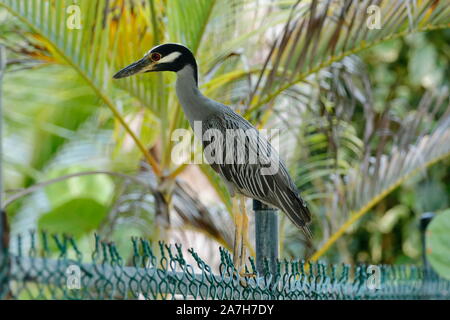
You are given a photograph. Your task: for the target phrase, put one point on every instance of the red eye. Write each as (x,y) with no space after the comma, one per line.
(155,56)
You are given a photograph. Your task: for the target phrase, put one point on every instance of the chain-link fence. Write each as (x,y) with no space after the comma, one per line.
(54,268)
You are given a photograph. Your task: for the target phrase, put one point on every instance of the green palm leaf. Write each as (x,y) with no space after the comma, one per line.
(82,49)
(367,183)
(320,33)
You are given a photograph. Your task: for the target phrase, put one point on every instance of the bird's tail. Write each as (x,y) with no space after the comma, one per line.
(307,233)
(297,211)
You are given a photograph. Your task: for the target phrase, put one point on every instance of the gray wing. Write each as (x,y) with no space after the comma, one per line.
(249,162)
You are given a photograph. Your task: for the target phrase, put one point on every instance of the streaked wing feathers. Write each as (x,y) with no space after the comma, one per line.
(231,159)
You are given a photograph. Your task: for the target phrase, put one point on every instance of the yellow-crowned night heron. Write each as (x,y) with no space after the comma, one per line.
(265,179)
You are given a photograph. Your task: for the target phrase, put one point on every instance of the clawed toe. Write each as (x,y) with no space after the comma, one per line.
(247,275)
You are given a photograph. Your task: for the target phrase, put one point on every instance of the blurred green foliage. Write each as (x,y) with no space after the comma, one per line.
(401,70)
(56,125)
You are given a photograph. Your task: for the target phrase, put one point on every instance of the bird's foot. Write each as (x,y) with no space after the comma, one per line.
(243,277)
(247,275)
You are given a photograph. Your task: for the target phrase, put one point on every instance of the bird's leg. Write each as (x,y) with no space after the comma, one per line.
(244,237)
(240,238)
(244,231)
(237,261)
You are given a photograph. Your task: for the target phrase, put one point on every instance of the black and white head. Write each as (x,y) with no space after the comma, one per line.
(166,57)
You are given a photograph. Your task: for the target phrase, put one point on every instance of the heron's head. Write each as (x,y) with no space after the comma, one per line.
(166,57)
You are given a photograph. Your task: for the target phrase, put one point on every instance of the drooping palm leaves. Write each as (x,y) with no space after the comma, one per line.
(316,35)
(85,50)
(114,33)
(319,33)
(350,167)
(298,42)
(401,154)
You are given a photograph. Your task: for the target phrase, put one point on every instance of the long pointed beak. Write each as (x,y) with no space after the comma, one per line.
(142,65)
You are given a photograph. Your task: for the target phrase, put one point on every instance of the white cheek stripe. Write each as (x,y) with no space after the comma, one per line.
(170,58)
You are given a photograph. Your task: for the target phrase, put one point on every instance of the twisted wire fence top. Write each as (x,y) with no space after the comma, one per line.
(53,267)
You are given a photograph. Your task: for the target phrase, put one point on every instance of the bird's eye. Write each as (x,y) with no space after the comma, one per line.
(155,56)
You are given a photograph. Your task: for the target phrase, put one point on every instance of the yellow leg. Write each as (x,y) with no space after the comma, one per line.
(237,235)
(240,238)
(244,231)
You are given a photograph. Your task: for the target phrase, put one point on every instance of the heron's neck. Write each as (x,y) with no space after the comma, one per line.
(195,105)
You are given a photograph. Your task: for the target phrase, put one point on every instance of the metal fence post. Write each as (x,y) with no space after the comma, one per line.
(266,236)
(425,219)
(4,236)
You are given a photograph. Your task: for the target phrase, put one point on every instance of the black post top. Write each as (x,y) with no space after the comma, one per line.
(258,205)
(425,219)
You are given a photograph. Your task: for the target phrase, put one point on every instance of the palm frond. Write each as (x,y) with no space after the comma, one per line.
(320,33)
(365,185)
(83,49)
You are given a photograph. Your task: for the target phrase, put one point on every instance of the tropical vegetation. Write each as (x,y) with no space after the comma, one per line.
(358,89)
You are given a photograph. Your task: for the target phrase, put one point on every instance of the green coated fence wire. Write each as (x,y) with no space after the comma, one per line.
(53,267)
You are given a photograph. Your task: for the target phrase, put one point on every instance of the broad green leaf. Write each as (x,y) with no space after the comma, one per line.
(98,187)
(75,217)
(438,244)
